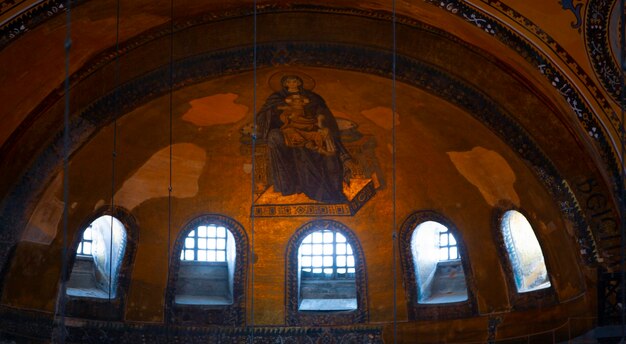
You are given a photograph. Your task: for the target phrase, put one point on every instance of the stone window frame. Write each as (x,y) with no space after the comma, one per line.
(294,317)
(104,308)
(521,300)
(433,311)
(222,315)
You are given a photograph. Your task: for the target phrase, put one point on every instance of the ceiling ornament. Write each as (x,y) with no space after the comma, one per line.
(602,29)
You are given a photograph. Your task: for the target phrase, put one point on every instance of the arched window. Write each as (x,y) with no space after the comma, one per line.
(438,268)
(99,265)
(436,271)
(207,273)
(325,276)
(326,272)
(98,259)
(205,276)
(524,253)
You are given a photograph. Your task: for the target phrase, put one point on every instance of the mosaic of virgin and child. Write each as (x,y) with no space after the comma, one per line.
(306,154)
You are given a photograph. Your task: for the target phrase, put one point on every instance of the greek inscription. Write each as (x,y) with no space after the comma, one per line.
(598,207)
(596,201)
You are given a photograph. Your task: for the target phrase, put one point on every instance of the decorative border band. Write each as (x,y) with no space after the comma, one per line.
(21,325)
(597,29)
(212,65)
(315,209)
(579,106)
(577,103)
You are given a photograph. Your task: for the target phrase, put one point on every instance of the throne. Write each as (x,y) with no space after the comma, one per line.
(364,178)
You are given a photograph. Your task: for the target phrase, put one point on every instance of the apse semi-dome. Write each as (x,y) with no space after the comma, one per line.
(432,172)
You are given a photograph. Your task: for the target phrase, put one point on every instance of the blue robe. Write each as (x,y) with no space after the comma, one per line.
(300,169)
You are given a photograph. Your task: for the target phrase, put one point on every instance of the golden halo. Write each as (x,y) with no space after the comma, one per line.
(274,81)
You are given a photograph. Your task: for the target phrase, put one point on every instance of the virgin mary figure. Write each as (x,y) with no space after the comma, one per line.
(305,152)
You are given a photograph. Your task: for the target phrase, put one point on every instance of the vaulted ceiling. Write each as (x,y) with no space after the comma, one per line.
(538,79)
(561,51)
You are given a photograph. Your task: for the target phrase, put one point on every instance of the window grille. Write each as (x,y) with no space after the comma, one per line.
(326,254)
(85,247)
(205,244)
(448,249)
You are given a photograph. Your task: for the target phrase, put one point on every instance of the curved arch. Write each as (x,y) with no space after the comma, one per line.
(105,308)
(413,72)
(418,310)
(522,253)
(528,298)
(601,24)
(233,314)
(292,299)
(228,60)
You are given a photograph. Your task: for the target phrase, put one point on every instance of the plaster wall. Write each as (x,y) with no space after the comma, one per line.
(429,131)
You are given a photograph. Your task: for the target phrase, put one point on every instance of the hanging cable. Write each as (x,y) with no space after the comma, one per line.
(254,137)
(622,172)
(169,188)
(114,150)
(394,238)
(61,330)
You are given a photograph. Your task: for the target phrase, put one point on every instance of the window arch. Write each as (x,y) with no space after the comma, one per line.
(524,253)
(325,281)
(207,273)
(326,256)
(98,258)
(436,270)
(100,265)
(440,276)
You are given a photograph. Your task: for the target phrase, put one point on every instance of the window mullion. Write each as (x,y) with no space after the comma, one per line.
(225,245)
(195,244)
(334,245)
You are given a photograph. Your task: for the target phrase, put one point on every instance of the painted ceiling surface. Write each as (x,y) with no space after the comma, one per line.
(572,43)
(565,50)
(493,100)
(446,159)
